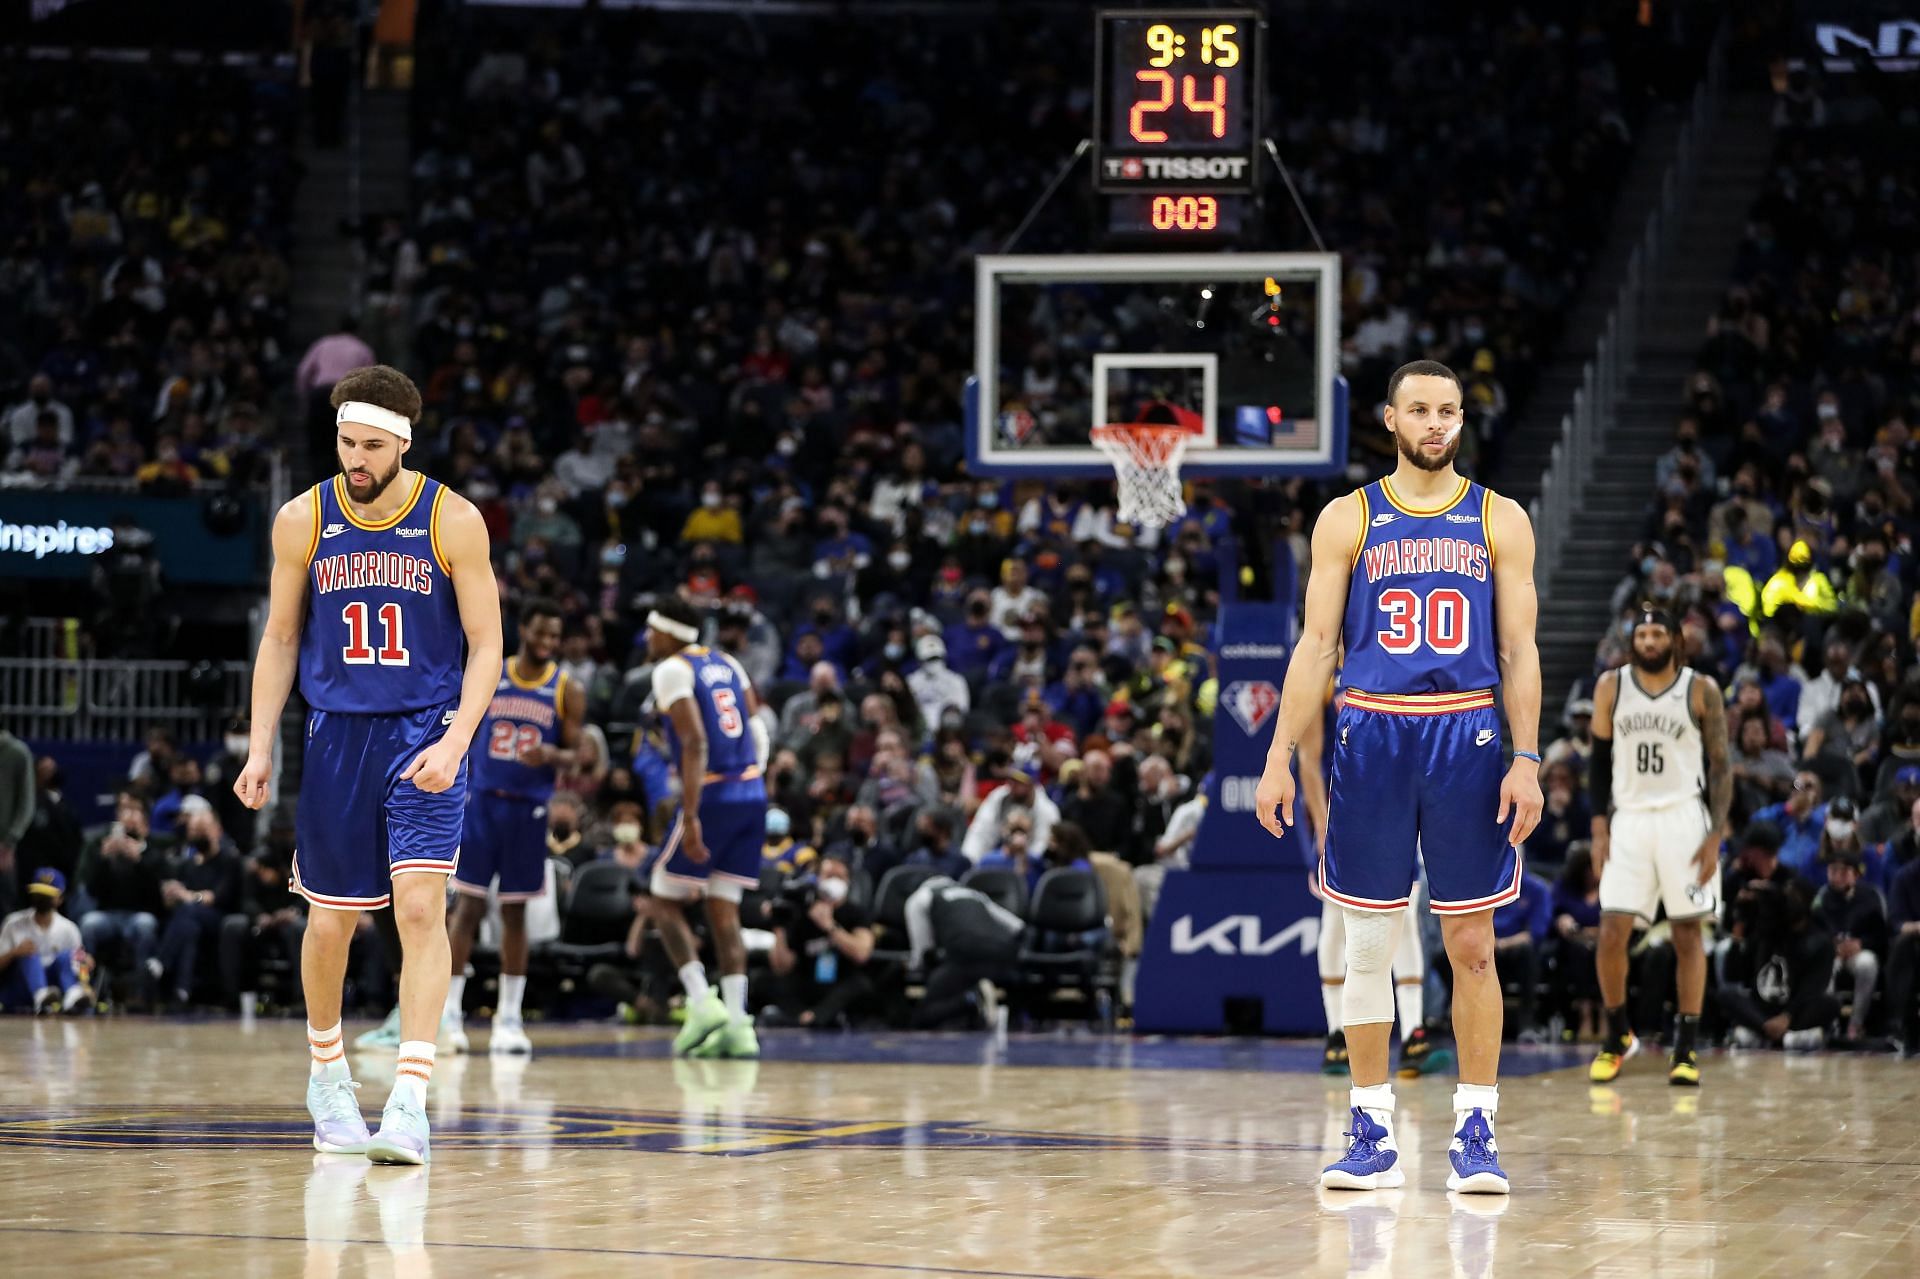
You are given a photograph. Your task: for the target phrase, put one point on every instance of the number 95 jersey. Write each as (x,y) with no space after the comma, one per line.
(1420,604)
(383,631)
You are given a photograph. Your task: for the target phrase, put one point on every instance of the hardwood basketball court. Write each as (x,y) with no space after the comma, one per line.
(181,1148)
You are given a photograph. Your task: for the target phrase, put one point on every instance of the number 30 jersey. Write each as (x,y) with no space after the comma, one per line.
(1419,613)
(383,631)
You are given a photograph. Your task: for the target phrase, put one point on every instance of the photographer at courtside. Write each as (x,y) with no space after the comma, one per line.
(821,944)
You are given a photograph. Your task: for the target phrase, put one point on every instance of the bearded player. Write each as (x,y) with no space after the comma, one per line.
(1661,843)
(383,600)
(1424,581)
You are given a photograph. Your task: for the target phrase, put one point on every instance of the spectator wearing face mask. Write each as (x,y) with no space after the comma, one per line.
(1799,583)
(714,520)
(936,687)
(974,643)
(1849,735)
(1854,914)
(817,971)
(1015,600)
(780,851)
(1016,852)
(1801,821)
(201,887)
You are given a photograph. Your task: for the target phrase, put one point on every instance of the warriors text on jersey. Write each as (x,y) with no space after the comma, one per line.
(383,631)
(522,715)
(1419,613)
(1657,748)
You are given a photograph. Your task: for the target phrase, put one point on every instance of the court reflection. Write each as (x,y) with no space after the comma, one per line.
(335,1224)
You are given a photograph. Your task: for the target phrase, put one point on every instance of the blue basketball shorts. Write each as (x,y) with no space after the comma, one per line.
(506,838)
(1418,775)
(733,825)
(359,824)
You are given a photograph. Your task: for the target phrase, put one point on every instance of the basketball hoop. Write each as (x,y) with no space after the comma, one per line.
(1146,463)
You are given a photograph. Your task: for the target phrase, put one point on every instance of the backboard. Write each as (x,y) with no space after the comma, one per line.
(1243,346)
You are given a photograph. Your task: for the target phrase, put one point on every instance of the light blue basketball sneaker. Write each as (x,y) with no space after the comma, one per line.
(1372,1161)
(338,1128)
(1476,1158)
(385,1035)
(402,1138)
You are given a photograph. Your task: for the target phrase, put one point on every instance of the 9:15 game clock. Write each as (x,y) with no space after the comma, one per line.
(1177,98)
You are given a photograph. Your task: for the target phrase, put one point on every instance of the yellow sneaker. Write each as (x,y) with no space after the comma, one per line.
(1683,1071)
(1606,1067)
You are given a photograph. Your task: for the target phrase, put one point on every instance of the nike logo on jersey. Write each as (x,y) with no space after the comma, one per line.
(1482,737)
(1389,518)
(447,718)
(333,530)
(1343,734)
(410,532)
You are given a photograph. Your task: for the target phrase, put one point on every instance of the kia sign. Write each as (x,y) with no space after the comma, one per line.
(1224,937)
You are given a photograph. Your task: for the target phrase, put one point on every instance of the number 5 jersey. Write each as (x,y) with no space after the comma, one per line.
(383,631)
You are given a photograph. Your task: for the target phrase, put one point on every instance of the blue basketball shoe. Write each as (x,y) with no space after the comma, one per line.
(403,1136)
(1372,1161)
(1476,1158)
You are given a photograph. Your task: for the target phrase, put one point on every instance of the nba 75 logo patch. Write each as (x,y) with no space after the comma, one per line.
(1251,702)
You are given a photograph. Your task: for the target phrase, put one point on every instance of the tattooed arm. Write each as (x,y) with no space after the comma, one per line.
(1710,709)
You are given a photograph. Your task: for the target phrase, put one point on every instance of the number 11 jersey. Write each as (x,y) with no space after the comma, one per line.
(1419,613)
(383,631)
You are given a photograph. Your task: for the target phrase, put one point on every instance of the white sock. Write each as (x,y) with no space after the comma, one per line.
(693,979)
(1407,997)
(414,1068)
(733,989)
(456,996)
(1482,1097)
(1377,1101)
(1330,1002)
(329,1058)
(511,989)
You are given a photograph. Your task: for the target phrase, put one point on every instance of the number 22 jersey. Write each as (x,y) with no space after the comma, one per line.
(1419,613)
(383,631)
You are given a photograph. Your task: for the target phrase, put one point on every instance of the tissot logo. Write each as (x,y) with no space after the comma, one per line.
(1250,702)
(1176,168)
(1241,935)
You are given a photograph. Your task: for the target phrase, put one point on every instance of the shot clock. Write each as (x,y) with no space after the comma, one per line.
(1177,107)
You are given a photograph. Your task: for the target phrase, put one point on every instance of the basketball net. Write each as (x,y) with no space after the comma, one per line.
(1146,465)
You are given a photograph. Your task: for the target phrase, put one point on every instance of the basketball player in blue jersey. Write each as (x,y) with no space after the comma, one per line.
(713,847)
(1424,581)
(382,588)
(531,731)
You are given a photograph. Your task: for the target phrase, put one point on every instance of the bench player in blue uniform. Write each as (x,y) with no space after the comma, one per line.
(532,730)
(1424,581)
(713,848)
(383,601)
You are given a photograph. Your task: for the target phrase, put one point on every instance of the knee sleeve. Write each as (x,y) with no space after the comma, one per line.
(1333,941)
(1368,996)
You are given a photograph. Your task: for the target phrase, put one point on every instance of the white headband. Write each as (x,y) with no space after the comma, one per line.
(373,415)
(667,626)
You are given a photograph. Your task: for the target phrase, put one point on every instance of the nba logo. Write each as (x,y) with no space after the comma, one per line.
(1016,424)
(1251,703)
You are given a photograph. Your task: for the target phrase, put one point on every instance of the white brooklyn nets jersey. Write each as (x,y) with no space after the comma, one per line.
(1657,751)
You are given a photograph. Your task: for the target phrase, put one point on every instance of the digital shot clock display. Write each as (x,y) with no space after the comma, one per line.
(1177,100)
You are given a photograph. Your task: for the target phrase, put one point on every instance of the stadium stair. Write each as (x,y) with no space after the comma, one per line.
(1614,499)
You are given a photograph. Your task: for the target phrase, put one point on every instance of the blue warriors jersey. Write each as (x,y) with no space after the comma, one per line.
(383,630)
(521,716)
(1420,605)
(720,694)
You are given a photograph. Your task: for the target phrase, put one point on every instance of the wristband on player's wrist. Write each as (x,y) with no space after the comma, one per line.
(1526,755)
